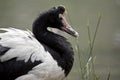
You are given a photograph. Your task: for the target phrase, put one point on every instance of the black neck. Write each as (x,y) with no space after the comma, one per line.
(55,42)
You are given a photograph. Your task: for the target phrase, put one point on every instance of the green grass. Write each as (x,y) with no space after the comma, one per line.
(87,65)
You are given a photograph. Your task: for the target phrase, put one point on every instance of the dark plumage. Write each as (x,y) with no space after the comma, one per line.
(23,58)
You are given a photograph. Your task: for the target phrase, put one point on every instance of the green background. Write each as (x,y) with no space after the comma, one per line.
(22,13)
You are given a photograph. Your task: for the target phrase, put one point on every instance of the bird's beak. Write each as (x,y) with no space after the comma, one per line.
(67,28)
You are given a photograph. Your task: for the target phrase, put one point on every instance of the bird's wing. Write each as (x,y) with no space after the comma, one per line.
(22,57)
(22,45)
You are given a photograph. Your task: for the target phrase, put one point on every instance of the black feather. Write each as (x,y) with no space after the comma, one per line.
(11,69)
(3,50)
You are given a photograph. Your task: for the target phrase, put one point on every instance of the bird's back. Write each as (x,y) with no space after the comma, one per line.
(22,57)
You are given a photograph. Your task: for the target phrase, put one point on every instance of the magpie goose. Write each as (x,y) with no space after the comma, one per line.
(40,54)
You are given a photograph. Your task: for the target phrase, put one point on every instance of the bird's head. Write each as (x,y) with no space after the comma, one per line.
(56,19)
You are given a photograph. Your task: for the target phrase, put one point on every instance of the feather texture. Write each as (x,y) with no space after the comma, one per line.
(24,47)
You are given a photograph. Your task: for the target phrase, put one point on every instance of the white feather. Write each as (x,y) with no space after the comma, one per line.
(25,47)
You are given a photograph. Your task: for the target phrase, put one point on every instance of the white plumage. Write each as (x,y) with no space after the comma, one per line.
(23,46)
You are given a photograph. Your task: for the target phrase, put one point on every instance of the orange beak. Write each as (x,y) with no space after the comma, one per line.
(67,28)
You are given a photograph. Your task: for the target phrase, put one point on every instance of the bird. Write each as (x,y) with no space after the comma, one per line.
(39,54)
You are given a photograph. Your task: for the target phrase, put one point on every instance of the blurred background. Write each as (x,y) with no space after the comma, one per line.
(21,14)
